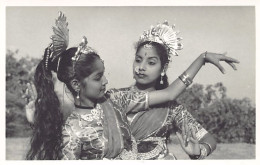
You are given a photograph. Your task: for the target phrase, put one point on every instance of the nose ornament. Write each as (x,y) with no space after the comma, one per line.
(137,69)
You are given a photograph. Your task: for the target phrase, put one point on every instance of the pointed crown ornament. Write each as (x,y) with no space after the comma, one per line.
(164,34)
(83,48)
(60,40)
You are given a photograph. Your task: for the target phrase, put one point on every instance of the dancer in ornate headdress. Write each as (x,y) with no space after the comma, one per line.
(97,128)
(154,51)
(129,101)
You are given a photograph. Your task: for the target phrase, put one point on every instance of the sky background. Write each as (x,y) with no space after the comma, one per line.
(112,31)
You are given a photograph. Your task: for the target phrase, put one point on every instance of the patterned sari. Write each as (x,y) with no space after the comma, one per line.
(102,134)
(151,128)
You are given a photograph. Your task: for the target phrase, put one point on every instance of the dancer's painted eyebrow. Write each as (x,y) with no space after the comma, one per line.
(138,56)
(154,57)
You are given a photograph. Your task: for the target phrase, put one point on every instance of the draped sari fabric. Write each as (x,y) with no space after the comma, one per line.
(116,130)
(101,133)
(145,123)
(143,120)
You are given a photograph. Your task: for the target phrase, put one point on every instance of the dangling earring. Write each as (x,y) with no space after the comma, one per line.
(77,95)
(162,74)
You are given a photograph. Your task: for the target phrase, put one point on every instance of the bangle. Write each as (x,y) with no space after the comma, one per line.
(204,57)
(184,77)
(202,155)
(203,152)
(210,148)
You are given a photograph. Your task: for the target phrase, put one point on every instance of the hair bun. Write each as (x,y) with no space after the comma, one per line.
(53,64)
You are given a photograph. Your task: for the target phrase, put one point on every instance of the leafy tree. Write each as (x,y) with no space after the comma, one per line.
(229,120)
(18,73)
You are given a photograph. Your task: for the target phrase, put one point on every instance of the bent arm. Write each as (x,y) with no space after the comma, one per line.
(131,101)
(177,86)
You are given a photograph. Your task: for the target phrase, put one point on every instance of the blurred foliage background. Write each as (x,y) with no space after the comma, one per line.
(229,120)
(18,73)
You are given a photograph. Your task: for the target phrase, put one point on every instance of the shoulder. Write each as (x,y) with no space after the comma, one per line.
(113,90)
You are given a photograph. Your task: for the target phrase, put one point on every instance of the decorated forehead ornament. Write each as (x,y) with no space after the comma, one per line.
(83,48)
(164,34)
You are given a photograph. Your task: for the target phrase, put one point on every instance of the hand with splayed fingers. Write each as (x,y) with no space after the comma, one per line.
(31,97)
(215,58)
(187,138)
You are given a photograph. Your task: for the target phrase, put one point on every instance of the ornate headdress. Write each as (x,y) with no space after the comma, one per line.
(82,49)
(60,40)
(164,34)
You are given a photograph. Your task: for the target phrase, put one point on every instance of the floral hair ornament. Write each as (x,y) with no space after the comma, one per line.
(82,49)
(164,34)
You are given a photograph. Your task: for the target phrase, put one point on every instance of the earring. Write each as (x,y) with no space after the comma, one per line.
(77,95)
(162,74)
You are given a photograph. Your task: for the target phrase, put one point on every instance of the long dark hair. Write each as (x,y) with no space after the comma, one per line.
(163,55)
(46,141)
(46,137)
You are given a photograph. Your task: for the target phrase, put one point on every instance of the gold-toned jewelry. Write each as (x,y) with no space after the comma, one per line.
(210,148)
(202,155)
(60,38)
(148,46)
(203,152)
(78,95)
(161,81)
(185,78)
(163,34)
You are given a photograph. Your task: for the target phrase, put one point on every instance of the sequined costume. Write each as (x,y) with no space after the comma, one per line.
(102,134)
(150,128)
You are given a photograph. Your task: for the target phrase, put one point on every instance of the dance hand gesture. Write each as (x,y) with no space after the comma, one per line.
(31,97)
(188,140)
(215,58)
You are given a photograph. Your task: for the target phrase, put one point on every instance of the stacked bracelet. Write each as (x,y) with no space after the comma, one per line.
(184,77)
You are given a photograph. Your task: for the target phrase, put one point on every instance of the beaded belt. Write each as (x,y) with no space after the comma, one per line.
(158,152)
(131,154)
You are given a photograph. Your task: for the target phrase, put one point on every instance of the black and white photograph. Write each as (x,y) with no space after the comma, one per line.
(142,81)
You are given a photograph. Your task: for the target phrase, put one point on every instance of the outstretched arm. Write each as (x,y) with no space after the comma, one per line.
(178,86)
